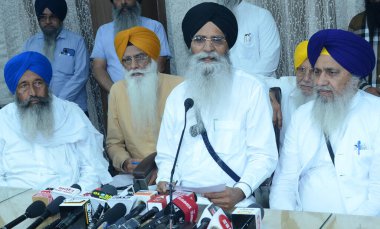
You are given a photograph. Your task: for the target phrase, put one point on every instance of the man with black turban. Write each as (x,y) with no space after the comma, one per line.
(46,141)
(66,51)
(367,25)
(230,120)
(330,161)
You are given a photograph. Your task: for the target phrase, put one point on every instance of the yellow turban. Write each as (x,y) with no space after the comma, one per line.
(300,54)
(141,37)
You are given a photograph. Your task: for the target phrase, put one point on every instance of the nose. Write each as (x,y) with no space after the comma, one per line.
(32,91)
(209,47)
(321,80)
(134,64)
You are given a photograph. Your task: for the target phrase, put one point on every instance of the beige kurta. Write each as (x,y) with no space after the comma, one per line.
(123,141)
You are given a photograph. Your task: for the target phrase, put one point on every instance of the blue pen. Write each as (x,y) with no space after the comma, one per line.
(358,146)
(135,162)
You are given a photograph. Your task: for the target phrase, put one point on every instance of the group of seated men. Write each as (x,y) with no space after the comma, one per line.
(329,159)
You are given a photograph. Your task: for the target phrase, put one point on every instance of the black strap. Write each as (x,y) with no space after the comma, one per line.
(217,159)
(331,152)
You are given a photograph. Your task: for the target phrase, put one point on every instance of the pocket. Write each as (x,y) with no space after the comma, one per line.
(65,64)
(227,137)
(248,45)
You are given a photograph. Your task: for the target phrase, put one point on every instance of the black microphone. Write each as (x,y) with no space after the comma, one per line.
(113,214)
(204,223)
(96,216)
(51,209)
(33,210)
(189,103)
(77,186)
(135,223)
(70,219)
(136,211)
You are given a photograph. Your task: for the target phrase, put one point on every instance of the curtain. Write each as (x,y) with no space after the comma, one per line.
(18,22)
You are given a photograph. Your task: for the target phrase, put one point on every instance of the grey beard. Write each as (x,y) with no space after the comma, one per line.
(36,118)
(330,115)
(49,47)
(209,84)
(142,94)
(128,19)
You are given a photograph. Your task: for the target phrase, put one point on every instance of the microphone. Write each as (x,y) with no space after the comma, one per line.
(113,214)
(249,217)
(204,223)
(96,216)
(135,223)
(70,219)
(189,103)
(51,209)
(33,210)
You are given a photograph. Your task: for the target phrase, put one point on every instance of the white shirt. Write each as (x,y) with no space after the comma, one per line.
(257,48)
(73,154)
(357,169)
(104,46)
(242,136)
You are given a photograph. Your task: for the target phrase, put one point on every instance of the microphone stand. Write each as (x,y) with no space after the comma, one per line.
(188,104)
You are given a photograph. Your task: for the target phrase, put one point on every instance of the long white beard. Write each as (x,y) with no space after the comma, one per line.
(36,118)
(142,93)
(209,84)
(300,98)
(331,114)
(125,20)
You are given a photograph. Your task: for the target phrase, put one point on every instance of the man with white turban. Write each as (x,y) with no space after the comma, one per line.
(46,141)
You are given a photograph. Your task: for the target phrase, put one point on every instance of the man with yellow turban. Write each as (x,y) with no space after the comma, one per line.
(330,160)
(136,103)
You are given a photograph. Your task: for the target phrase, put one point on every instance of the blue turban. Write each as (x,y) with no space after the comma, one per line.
(351,51)
(202,13)
(19,64)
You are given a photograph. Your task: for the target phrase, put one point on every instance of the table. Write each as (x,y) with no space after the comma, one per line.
(13,203)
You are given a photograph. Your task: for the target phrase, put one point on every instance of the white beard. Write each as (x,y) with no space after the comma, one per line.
(36,118)
(331,114)
(209,84)
(301,98)
(142,93)
(126,20)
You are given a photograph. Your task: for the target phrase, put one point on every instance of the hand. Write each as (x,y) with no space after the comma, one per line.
(277,114)
(226,199)
(373,91)
(130,164)
(162,187)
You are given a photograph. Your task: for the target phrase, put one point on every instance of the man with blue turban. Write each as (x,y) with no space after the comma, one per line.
(66,50)
(229,138)
(46,141)
(330,161)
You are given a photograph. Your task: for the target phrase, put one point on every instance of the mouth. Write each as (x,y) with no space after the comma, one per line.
(325,93)
(137,74)
(208,59)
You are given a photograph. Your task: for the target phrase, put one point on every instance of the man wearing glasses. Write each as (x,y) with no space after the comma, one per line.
(136,103)
(66,51)
(231,109)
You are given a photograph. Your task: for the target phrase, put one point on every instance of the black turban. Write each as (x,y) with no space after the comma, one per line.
(202,13)
(351,51)
(57,7)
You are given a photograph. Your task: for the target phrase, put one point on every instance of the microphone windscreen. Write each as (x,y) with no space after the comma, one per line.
(109,189)
(256,205)
(35,209)
(77,186)
(189,103)
(53,207)
(188,206)
(114,213)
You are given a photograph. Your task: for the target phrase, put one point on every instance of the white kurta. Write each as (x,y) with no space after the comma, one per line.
(257,48)
(356,175)
(242,136)
(73,155)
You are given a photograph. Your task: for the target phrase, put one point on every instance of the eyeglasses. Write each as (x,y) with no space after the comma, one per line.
(303,71)
(45,17)
(216,41)
(141,59)
(25,86)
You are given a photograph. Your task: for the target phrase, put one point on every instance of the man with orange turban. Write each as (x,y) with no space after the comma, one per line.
(136,103)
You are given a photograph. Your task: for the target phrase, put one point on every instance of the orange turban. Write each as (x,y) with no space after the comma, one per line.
(141,37)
